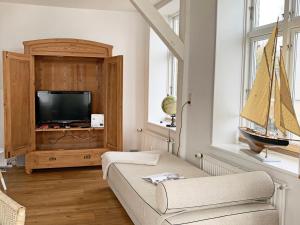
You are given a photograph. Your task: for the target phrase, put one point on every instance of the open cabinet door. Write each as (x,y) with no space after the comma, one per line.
(17,104)
(113,67)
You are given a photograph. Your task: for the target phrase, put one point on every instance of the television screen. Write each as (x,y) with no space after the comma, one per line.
(63,106)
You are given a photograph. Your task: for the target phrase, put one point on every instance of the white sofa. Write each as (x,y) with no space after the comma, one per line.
(138,197)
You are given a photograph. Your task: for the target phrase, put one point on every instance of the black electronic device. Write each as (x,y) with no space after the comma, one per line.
(63,107)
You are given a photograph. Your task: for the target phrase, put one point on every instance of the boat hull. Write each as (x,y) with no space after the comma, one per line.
(258,143)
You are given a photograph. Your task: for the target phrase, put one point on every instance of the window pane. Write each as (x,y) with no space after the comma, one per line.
(297,76)
(297,4)
(258,52)
(173,62)
(258,48)
(268,11)
(173,76)
(175,24)
(158,77)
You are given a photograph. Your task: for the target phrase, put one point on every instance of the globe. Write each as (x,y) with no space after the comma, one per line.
(168,105)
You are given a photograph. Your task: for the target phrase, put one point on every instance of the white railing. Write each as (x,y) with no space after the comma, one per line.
(216,167)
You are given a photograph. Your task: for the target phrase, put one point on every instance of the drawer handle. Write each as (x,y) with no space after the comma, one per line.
(52,158)
(87,156)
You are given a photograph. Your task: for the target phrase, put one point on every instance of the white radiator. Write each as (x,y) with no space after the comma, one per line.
(153,141)
(215,167)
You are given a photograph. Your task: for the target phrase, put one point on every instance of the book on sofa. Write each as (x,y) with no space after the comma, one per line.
(158,178)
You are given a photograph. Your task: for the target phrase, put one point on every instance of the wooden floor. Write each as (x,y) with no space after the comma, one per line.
(65,197)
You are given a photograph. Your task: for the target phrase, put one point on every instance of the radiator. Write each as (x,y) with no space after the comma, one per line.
(153,141)
(215,167)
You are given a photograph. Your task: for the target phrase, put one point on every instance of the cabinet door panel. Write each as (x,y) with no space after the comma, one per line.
(113,67)
(17,104)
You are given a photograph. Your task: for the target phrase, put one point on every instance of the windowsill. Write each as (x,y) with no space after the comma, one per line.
(285,164)
(162,125)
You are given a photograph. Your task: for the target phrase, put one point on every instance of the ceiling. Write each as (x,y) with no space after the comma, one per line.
(123,5)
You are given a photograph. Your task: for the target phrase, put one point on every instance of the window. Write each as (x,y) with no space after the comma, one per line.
(297,74)
(296,7)
(262,16)
(266,11)
(163,71)
(173,62)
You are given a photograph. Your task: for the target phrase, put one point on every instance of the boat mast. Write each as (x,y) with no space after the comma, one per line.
(272,77)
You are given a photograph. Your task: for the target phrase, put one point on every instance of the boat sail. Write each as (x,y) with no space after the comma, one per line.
(288,118)
(277,109)
(257,109)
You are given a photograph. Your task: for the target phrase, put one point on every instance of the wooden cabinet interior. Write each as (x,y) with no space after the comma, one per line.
(72,74)
(62,65)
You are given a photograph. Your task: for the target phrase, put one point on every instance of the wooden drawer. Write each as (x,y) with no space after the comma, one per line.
(63,158)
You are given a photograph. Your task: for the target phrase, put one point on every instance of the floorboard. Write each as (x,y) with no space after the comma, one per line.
(77,196)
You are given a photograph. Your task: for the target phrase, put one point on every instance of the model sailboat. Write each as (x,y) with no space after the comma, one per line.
(258,108)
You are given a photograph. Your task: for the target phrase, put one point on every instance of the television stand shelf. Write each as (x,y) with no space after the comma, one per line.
(63,158)
(68,129)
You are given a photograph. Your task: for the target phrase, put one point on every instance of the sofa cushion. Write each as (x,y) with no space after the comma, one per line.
(177,195)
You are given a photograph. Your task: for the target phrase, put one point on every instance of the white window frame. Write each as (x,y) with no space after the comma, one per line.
(288,28)
(157,127)
(259,33)
(172,74)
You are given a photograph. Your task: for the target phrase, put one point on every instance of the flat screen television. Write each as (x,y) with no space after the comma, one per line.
(63,106)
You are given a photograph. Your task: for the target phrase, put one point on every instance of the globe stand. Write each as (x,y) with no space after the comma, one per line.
(172,121)
(170,141)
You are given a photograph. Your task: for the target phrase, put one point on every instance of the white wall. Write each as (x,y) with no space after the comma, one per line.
(200,76)
(228,70)
(126,31)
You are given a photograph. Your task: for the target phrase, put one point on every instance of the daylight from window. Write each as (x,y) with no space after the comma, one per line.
(263,16)
(296,84)
(173,61)
(269,11)
(163,72)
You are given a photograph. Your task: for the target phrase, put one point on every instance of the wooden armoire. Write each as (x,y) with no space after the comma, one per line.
(61,65)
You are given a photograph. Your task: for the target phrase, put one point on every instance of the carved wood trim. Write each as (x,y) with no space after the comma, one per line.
(67,47)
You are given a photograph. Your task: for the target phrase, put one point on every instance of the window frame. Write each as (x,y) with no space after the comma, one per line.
(289,26)
(159,127)
(172,74)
